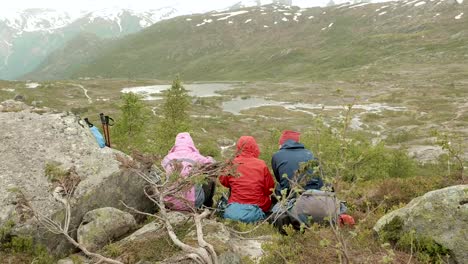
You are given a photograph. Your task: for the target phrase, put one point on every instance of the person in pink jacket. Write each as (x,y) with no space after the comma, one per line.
(185,153)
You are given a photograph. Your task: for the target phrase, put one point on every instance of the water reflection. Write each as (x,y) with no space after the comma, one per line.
(153,92)
(236,105)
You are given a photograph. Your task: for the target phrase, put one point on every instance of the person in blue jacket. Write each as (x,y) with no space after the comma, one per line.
(287,161)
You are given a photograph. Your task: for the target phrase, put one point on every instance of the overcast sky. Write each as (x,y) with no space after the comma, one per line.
(75,5)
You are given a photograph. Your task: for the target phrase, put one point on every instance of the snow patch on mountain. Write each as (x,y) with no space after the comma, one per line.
(50,20)
(229,15)
(7,43)
(459,16)
(358,5)
(251,3)
(30,20)
(111,14)
(205,21)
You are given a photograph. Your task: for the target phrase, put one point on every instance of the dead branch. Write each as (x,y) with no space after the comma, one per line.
(64,189)
(174,185)
(201,241)
(62,229)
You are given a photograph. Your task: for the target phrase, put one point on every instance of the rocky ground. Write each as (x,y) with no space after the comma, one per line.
(34,140)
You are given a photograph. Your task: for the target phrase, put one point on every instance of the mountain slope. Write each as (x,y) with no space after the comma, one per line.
(81,49)
(29,36)
(279,42)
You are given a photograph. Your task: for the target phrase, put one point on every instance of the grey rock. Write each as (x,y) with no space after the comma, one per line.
(144,262)
(65,261)
(79,259)
(219,236)
(12,106)
(225,142)
(19,98)
(29,141)
(153,229)
(229,258)
(441,215)
(103,225)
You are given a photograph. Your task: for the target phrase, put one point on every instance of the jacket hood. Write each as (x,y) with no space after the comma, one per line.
(184,141)
(291,144)
(247,147)
(289,135)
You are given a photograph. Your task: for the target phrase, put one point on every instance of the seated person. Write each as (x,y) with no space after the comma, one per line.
(183,156)
(313,204)
(287,161)
(251,190)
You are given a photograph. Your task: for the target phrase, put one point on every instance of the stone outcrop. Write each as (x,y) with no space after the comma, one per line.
(441,215)
(100,226)
(32,139)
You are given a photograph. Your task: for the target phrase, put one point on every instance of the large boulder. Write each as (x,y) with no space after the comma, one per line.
(103,225)
(30,142)
(440,215)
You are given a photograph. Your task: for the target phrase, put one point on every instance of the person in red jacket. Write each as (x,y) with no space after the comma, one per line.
(250,192)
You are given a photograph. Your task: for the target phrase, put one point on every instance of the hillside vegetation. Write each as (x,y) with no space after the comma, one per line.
(277,42)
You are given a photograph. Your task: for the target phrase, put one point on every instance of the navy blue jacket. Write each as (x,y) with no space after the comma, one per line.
(287,161)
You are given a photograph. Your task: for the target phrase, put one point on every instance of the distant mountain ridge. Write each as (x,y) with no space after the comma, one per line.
(281,42)
(28,36)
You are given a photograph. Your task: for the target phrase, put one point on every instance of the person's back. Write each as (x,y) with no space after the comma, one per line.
(252,189)
(311,205)
(287,161)
(183,156)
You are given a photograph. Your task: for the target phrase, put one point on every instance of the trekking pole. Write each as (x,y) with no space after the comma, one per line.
(107,118)
(103,122)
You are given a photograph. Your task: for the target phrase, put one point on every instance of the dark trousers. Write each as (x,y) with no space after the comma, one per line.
(209,190)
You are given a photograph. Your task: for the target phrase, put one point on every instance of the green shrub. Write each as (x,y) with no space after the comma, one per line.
(128,132)
(354,157)
(53,172)
(5,231)
(24,245)
(428,251)
(112,250)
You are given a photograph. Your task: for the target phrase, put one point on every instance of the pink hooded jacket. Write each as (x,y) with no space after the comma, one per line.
(184,151)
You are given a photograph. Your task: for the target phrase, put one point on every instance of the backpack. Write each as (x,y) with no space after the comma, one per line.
(95,131)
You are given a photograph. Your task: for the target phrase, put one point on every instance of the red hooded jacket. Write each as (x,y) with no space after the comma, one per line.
(255,183)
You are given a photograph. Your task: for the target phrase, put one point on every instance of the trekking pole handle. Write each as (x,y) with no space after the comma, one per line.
(103,119)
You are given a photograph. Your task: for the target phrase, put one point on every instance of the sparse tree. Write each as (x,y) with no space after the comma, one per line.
(175,108)
(128,131)
(175,113)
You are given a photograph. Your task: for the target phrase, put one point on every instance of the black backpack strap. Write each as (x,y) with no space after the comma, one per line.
(88,123)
